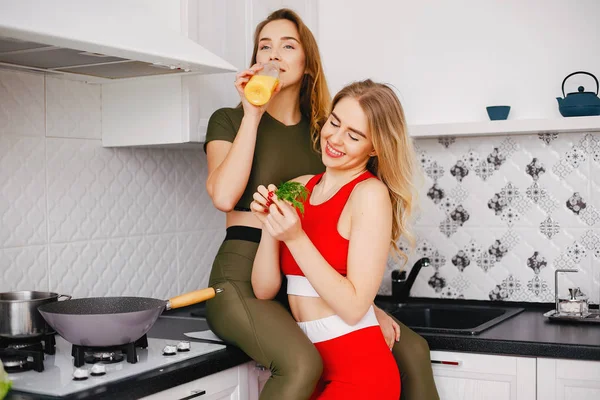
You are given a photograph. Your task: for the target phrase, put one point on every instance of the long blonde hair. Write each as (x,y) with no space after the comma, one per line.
(315,99)
(395,163)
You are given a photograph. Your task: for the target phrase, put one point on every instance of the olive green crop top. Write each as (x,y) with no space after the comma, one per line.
(281,152)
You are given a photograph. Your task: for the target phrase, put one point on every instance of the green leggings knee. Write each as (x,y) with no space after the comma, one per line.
(266,331)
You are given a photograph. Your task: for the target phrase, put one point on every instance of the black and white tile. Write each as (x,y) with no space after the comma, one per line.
(501,213)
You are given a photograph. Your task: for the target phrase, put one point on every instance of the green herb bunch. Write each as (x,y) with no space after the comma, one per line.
(5,382)
(294,193)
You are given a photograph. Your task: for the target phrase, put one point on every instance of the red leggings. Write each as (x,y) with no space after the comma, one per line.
(358,365)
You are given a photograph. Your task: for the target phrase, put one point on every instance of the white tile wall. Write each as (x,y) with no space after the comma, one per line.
(73,109)
(22,103)
(84,220)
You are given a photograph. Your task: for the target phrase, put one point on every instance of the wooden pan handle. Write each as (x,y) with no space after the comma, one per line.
(195,297)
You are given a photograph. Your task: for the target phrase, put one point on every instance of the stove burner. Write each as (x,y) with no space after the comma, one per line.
(113,354)
(24,354)
(104,357)
(46,342)
(15,364)
(16,360)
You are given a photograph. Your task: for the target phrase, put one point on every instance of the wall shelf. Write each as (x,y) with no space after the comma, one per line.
(491,128)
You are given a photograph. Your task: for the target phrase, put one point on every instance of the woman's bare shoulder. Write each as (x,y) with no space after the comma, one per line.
(302,179)
(371,192)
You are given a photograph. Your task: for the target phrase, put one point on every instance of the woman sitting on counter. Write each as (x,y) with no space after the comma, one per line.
(335,249)
(251,145)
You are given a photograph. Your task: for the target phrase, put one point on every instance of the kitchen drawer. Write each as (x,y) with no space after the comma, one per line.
(480,363)
(468,376)
(222,385)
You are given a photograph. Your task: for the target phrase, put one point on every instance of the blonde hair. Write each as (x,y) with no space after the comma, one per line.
(395,163)
(315,99)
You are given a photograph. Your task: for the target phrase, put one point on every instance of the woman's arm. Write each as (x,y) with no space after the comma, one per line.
(229,165)
(266,275)
(370,236)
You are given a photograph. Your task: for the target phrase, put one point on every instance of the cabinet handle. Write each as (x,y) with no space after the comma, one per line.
(445,362)
(260,367)
(195,393)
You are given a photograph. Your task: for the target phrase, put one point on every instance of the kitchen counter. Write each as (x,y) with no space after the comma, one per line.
(526,334)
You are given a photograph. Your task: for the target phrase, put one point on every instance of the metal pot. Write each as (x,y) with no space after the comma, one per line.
(19,316)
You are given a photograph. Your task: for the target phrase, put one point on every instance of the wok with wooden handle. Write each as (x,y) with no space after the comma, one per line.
(113,321)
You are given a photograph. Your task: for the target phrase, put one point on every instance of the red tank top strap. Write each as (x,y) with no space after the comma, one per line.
(310,185)
(342,196)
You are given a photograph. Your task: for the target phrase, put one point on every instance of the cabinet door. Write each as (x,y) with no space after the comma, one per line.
(223,385)
(257,378)
(568,379)
(227,30)
(467,376)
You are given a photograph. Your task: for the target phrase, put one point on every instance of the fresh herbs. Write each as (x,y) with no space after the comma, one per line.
(294,193)
(5,382)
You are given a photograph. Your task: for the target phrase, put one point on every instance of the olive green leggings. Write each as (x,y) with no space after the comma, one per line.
(266,331)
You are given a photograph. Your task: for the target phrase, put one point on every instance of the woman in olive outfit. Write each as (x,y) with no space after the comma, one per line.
(248,146)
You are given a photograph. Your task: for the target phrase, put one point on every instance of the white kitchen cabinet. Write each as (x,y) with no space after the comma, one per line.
(230,384)
(568,379)
(170,111)
(174,111)
(470,376)
(257,377)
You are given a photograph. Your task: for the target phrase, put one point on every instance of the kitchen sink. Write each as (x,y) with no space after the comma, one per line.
(457,319)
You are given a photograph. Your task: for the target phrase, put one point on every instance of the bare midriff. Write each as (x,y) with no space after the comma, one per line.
(303,308)
(242,218)
(309,308)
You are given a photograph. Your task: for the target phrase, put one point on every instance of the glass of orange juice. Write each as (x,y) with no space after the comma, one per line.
(259,89)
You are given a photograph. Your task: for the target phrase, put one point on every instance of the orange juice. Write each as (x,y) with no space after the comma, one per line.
(259,89)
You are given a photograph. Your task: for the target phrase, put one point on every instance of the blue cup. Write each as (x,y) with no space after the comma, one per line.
(498,112)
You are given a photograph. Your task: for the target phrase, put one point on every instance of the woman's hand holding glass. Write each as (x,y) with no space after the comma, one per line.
(241,80)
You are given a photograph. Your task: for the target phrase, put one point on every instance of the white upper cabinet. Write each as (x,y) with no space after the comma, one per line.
(174,111)
(448,60)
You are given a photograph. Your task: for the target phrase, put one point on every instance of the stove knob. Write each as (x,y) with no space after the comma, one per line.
(183,346)
(169,350)
(80,374)
(98,370)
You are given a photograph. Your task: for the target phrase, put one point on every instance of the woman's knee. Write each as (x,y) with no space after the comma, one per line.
(411,352)
(420,349)
(304,366)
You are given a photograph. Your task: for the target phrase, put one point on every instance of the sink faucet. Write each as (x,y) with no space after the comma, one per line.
(401,285)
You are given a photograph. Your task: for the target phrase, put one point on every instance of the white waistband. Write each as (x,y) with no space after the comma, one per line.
(300,286)
(332,327)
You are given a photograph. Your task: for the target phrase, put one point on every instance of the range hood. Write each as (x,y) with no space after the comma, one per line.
(97,41)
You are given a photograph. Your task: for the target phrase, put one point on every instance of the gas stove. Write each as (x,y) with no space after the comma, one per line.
(60,376)
(24,354)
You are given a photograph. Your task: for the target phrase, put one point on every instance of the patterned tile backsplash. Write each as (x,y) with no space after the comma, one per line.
(80,219)
(499,214)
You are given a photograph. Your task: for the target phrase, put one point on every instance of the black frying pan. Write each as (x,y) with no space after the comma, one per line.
(112,321)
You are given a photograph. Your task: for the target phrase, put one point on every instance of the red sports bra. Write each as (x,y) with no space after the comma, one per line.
(320,224)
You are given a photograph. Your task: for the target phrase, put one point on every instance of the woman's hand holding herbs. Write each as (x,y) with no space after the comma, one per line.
(274,207)
(262,202)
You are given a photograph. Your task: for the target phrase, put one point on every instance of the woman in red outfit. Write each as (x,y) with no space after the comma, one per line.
(335,253)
